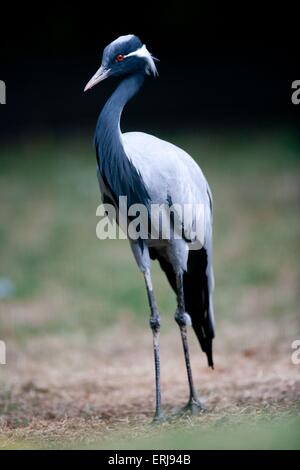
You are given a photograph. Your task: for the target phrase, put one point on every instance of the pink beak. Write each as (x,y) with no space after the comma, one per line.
(100,75)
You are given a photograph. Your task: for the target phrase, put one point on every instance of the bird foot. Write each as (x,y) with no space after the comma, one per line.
(159,418)
(193,407)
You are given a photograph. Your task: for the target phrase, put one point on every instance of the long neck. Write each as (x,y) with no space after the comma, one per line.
(115,167)
(108,139)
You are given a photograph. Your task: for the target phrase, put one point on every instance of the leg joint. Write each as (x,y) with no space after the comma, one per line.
(182,318)
(155,323)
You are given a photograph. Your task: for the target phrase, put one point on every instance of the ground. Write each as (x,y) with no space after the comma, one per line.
(79,369)
(93,393)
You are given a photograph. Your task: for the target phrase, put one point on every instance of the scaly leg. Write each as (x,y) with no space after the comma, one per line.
(194,405)
(155,326)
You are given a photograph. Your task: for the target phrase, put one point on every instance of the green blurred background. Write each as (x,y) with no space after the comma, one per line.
(48,238)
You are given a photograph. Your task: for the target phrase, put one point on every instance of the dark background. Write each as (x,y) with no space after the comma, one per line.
(218,68)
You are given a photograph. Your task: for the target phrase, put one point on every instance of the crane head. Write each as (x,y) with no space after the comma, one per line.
(124,56)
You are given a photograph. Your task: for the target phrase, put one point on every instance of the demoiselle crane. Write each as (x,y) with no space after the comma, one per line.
(148,171)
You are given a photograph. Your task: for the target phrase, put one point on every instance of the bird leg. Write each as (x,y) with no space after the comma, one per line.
(155,326)
(194,405)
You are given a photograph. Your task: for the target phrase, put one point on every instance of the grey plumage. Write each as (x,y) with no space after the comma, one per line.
(150,171)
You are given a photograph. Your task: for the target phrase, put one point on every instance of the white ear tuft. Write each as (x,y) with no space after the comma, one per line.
(151,65)
(144,53)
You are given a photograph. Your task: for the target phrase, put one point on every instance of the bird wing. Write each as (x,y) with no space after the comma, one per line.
(170,174)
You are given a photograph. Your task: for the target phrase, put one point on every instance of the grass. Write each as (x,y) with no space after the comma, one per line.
(247,432)
(68,284)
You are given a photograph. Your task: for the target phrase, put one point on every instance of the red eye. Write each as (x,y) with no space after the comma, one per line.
(119,58)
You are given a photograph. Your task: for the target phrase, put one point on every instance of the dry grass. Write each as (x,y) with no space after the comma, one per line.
(71,390)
